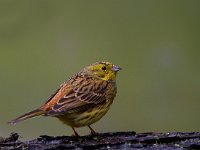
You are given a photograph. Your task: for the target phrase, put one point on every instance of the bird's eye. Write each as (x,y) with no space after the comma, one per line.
(103,68)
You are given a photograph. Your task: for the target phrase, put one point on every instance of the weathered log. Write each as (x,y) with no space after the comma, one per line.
(115,140)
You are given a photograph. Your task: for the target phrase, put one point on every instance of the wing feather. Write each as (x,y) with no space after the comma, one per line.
(80,95)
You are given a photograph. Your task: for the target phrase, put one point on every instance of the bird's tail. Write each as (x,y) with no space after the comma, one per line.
(28,115)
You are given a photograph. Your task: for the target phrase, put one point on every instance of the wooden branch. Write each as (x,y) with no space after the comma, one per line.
(115,140)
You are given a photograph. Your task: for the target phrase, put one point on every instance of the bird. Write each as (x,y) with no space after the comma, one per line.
(81,100)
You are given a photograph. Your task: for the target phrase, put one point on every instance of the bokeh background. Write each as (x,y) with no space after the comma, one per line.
(157,43)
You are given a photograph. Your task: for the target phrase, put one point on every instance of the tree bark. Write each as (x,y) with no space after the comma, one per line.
(114,140)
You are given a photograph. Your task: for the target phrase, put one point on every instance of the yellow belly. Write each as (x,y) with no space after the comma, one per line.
(83,119)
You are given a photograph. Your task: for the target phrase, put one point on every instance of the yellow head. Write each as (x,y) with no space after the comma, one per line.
(104,70)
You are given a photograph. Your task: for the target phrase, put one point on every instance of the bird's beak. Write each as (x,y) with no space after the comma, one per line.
(116,68)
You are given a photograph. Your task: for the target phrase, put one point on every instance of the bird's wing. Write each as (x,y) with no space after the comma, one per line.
(79,94)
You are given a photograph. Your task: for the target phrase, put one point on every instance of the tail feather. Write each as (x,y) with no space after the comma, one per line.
(28,115)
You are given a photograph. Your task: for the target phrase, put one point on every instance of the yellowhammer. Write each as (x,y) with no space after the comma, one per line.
(83,99)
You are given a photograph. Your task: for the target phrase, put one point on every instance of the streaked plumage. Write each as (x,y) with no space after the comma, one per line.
(83,99)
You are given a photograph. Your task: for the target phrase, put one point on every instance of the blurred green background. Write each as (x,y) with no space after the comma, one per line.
(157,43)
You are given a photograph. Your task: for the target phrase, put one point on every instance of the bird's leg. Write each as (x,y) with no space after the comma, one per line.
(92,131)
(75,133)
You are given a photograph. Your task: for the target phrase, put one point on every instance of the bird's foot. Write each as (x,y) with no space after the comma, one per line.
(75,134)
(92,132)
